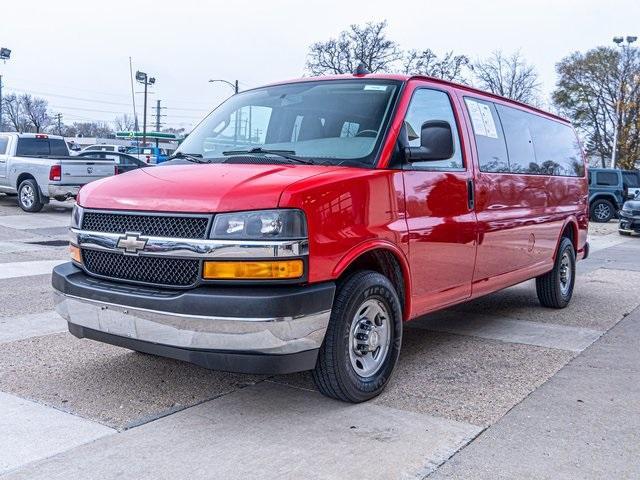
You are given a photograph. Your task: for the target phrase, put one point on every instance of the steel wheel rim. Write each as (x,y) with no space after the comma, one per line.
(565,273)
(601,211)
(27,196)
(369,337)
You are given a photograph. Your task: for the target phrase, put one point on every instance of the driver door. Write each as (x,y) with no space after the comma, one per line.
(439,210)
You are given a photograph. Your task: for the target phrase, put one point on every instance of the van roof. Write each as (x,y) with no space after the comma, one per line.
(405,78)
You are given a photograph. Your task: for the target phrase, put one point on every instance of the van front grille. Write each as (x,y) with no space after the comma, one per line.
(148,225)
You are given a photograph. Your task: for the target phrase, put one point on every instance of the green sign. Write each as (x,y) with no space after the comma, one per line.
(152,135)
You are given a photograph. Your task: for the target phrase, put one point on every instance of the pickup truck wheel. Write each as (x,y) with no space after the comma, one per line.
(363,339)
(556,287)
(29,197)
(602,211)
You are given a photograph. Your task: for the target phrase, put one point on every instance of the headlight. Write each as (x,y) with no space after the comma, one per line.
(260,225)
(76,216)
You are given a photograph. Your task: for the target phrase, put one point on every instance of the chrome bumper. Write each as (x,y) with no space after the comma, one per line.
(63,190)
(282,335)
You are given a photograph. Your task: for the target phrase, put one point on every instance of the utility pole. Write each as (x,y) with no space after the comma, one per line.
(58,117)
(157,120)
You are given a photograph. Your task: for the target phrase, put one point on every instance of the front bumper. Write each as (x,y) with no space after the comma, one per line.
(629,224)
(240,329)
(66,191)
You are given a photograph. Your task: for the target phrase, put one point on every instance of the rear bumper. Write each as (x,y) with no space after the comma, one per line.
(63,190)
(239,329)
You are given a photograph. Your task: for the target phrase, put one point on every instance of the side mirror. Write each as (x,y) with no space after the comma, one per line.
(436,142)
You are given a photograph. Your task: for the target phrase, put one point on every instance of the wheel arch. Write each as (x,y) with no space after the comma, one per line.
(570,230)
(25,176)
(385,258)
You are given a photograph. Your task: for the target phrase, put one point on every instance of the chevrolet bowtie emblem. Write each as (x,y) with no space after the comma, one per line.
(131,243)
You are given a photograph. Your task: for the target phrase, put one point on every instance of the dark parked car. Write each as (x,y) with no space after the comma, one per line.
(608,190)
(630,216)
(124,162)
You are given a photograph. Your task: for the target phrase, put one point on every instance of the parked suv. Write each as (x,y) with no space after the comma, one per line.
(301,224)
(609,189)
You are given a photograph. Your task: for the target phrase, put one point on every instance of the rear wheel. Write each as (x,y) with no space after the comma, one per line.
(555,288)
(363,339)
(29,197)
(602,211)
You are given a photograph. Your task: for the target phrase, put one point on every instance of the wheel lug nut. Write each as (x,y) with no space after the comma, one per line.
(362,336)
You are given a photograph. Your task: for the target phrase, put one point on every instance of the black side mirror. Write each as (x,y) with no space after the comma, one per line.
(436,142)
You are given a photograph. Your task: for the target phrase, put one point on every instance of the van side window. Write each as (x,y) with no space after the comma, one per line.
(607,179)
(557,149)
(515,123)
(3,145)
(490,143)
(427,104)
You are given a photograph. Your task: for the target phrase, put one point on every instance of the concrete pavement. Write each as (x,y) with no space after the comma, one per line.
(463,371)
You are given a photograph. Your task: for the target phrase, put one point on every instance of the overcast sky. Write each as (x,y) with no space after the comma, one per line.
(76,53)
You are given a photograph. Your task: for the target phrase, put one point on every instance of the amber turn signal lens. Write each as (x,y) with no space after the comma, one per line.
(281,269)
(75,253)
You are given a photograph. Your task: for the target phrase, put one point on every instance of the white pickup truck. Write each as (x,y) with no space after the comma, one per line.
(37,167)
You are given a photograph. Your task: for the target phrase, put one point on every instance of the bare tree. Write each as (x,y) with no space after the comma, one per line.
(366,44)
(124,123)
(509,76)
(13,112)
(598,90)
(450,67)
(35,110)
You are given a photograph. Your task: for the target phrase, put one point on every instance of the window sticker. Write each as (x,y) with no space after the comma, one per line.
(378,88)
(481,118)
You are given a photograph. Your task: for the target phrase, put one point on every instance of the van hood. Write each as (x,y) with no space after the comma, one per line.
(196,188)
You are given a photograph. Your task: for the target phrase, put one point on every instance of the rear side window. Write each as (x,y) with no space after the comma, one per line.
(607,179)
(490,143)
(556,146)
(41,146)
(515,123)
(630,179)
(3,145)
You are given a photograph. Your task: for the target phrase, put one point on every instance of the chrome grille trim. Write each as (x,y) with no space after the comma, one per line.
(194,248)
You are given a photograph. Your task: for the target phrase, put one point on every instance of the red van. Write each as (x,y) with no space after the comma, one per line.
(300,224)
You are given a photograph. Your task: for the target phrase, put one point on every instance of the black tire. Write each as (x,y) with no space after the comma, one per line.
(552,291)
(602,211)
(29,198)
(334,374)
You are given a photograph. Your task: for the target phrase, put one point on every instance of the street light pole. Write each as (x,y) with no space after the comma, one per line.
(619,115)
(142,77)
(5,54)
(233,85)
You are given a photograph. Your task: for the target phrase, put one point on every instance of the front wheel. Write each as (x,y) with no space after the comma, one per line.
(363,339)
(555,288)
(29,198)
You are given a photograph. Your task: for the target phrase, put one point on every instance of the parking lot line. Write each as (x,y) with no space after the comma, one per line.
(268,431)
(27,269)
(32,325)
(31,431)
(40,220)
(548,335)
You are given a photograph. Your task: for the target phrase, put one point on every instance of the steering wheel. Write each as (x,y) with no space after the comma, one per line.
(367,133)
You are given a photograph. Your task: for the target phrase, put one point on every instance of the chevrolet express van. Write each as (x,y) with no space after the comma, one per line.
(301,224)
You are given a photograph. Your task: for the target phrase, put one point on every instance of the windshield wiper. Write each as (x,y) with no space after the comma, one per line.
(288,154)
(191,157)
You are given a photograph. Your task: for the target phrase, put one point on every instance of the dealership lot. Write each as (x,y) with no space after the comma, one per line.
(499,374)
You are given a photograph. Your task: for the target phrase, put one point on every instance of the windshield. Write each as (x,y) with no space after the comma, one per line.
(330,122)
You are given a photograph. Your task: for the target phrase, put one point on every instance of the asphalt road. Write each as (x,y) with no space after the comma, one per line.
(496,388)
